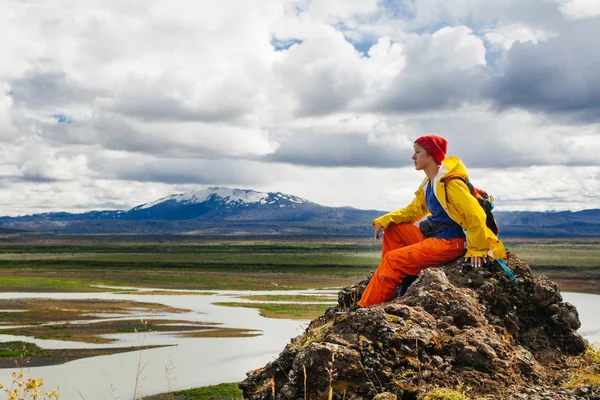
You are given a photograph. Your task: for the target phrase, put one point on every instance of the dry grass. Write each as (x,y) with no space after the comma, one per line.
(458,393)
(314,335)
(585,369)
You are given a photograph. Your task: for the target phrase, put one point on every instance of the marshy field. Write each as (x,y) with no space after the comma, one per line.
(83,263)
(50,264)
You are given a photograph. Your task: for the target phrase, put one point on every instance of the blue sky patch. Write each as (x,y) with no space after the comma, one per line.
(363,46)
(62,119)
(284,44)
(492,58)
(397,9)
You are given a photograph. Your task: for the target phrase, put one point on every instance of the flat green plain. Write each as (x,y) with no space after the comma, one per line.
(582,254)
(86,263)
(75,263)
(572,263)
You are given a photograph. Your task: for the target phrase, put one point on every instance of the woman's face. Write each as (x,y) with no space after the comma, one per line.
(421,158)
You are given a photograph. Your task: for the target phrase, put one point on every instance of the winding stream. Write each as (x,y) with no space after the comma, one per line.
(192,362)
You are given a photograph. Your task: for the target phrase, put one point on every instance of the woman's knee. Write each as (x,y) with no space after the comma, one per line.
(392,264)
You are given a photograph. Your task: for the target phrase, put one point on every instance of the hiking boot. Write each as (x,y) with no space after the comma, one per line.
(405,284)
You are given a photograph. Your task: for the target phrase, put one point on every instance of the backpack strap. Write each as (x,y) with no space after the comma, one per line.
(509,273)
(466,181)
(483,198)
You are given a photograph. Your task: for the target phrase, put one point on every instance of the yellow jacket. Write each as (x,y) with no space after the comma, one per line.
(462,207)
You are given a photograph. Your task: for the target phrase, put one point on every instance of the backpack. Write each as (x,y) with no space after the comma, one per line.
(485,200)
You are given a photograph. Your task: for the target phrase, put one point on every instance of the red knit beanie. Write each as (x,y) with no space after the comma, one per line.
(436,146)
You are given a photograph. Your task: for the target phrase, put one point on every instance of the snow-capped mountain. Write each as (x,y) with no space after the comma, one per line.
(230,197)
(225,203)
(218,211)
(231,210)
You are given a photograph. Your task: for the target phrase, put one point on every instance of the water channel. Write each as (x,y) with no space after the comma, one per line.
(191,362)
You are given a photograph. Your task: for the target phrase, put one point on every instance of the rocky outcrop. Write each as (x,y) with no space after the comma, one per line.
(471,330)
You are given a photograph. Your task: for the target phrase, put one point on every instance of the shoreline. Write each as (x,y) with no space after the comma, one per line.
(41,323)
(61,356)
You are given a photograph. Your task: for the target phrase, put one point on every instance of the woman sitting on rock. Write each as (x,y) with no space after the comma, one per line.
(455,227)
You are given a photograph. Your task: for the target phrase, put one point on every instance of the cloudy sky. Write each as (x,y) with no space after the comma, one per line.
(107,104)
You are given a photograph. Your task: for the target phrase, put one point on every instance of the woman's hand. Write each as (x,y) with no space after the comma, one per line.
(378,230)
(476,262)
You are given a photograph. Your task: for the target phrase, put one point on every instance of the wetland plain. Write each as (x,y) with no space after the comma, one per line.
(175,265)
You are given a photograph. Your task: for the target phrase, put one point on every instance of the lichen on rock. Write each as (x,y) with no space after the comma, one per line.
(454,327)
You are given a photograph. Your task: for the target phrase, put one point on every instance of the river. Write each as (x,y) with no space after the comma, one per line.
(192,362)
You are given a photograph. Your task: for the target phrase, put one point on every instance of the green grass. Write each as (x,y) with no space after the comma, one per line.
(58,335)
(223,391)
(227,246)
(11,316)
(234,255)
(290,311)
(557,254)
(295,298)
(45,283)
(255,266)
(17,349)
(77,263)
(229,262)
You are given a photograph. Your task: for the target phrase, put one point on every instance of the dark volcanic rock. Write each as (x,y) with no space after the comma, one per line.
(454,327)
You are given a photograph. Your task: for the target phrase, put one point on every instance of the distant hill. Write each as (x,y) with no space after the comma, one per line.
(550,224)
(5,231)
(224,211)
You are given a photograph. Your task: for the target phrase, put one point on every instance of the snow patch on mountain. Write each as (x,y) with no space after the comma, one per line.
(228,196)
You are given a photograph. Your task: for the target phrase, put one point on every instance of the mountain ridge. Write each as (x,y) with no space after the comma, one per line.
(221,210)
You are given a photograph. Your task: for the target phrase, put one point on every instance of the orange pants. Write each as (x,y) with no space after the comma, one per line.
(405,251)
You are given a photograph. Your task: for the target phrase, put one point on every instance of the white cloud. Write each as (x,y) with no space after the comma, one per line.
(577,9)
(541,188)
(387,60)
(197,139)
(505,36)
(512,139)
(319,99)
(322,73)
(558,77)
(444,69)
(339,9)
(7,128)
(394,135)
(455,47)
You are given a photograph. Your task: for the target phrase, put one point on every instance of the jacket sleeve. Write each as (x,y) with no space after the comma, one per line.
(412,213)
(472,215)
